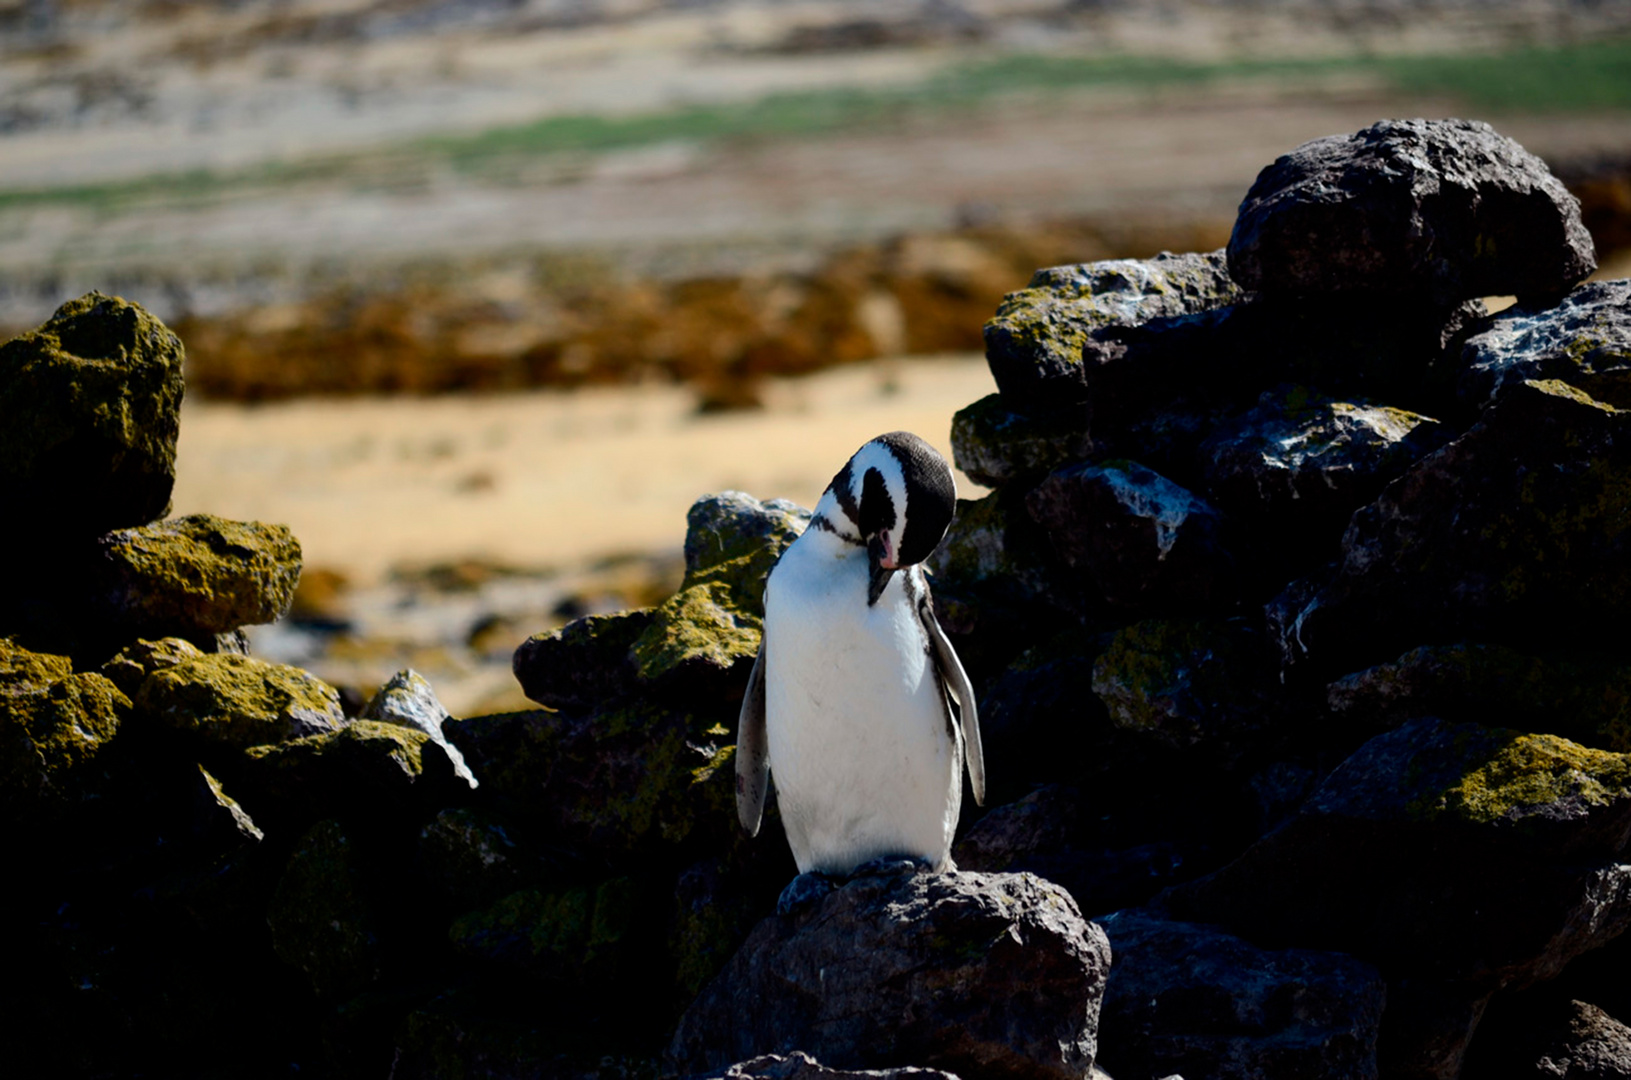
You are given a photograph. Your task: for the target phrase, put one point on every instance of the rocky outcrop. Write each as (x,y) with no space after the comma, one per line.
(1445,207)
(977,975)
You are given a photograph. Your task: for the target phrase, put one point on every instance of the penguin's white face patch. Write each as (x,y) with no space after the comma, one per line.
(895,497)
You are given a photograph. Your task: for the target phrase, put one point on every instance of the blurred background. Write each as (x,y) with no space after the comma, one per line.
(479,295)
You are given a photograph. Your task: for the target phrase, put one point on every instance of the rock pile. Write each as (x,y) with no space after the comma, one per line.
(1294,609)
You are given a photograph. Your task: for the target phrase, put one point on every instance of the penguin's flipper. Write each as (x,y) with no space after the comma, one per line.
(955,680)
(752,750)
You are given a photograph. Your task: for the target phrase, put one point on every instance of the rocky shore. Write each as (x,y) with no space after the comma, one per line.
(1294,613)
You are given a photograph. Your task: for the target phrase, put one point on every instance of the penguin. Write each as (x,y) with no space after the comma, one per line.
(857,702)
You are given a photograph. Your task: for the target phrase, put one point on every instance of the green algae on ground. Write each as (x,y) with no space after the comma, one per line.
(92,405)
(200,574)
(228,700)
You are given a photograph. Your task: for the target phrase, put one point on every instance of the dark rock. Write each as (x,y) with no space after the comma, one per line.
(1447,208)
(408,700)
(320,917)
(717,903)
(1458,859)
(585,662)
(1516,524)
(196,576)
(92,401)
(131,666)
(365,772)
(1193,997)
(989,975)
(1050,833)
(1190,685)
(1583,340)
(635,778)
(801,1066)
(497,1034)
(995,444)
(1142,540)
(1034,343)
(1551,1040)
(1040,719)
(473,858)
(587,937)
(237,701)
(1291,472)
(1589,702)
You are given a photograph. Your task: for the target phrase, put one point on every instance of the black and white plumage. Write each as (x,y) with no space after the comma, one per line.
(857,702)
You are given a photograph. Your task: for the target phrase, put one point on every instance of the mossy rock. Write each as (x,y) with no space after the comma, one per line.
(131,666)
(697,644)
(54,741)
(408,700)
(580,935)
(92,404)
(198,575)
(234,701)
(638,778)
(1034,342)
(25,672)
(1199,685)
(995,444)
(320,917)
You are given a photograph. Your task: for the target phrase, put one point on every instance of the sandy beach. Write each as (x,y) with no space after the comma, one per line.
(544,479)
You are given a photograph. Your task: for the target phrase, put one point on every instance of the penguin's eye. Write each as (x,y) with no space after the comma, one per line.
(877,508)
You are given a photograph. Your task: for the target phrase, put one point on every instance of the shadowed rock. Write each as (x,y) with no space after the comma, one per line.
(801,1066)
(988,975)
(1458,859)
(1142,540)
(1193,997)
(1517,524)
(1446,208)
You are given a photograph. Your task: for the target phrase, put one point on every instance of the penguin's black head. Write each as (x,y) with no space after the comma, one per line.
(898,494)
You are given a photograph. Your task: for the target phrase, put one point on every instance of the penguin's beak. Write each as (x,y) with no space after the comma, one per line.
(879,558)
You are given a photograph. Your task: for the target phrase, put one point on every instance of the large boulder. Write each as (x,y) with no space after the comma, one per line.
(985,975)
(92,402)
(1583,340)
(1184,996)
(1445,208)
(1517,524)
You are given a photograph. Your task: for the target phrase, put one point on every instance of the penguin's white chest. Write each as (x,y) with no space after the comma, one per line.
(862,752)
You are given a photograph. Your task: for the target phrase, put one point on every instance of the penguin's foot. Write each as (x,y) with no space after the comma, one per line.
(803,891)
(892,866)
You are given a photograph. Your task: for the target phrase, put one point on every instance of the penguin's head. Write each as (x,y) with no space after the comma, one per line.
(896,495)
